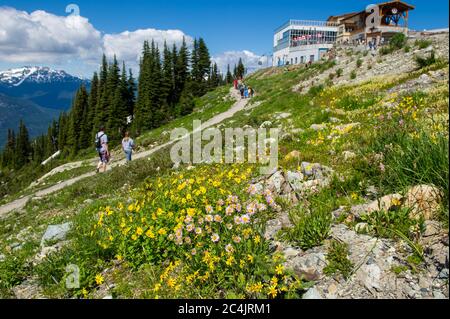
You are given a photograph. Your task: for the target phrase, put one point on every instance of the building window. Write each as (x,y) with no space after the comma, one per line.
(311,58)
(296,60)
(302,59)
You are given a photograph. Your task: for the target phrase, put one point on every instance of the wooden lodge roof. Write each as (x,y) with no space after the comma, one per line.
(390,4)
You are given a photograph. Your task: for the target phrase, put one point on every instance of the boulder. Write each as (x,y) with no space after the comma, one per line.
(423,200)
(55,233)
(275,182)
(312,293)
(294,155)
(295,179)
(308,266)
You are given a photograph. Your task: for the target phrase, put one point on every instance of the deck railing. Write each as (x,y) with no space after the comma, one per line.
(308,23)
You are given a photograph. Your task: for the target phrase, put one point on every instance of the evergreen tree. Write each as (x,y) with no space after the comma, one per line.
(229,77)
(131,93)
(240,69)
(79,108)
(9,150)
(119,109)
(101,111)
(181,70)
(91,128)
(63,126)
(23,147)
(144,112)
(167,83)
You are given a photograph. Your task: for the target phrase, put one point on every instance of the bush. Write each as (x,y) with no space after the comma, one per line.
(316,89)
(339,72)
(423,62)
(398,41)
(386,50)
(353,75)
(422,43)
(338,261)
(359,62)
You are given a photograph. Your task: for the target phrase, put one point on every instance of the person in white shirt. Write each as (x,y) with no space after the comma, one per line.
(101,144)
(127,146)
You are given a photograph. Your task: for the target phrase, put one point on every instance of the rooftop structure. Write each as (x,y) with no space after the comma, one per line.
(302,41)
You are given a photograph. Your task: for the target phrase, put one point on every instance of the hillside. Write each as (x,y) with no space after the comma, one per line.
(357,208)
(12,110)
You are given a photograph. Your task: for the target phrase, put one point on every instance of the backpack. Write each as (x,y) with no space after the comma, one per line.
(98,141)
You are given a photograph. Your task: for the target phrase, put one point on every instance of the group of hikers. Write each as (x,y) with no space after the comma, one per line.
(101,145)
(246,91)
(101,139)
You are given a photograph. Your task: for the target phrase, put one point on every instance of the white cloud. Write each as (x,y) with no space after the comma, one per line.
(128,45)
(252,61)
(43,37)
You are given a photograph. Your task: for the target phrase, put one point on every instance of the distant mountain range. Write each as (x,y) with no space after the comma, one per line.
(36,95)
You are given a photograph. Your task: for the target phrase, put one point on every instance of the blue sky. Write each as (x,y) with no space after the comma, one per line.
(225,25)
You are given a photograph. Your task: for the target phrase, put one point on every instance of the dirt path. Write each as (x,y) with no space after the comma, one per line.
(21,202)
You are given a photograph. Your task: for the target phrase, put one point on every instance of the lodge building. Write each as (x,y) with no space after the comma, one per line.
(302,41)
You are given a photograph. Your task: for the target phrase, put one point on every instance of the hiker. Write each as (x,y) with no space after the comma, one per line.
(245,92)
(241,89)
(250,92)
(127,146)
(235,84)
(101,144)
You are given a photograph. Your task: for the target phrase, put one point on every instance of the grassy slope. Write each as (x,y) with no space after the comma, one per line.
(363,103)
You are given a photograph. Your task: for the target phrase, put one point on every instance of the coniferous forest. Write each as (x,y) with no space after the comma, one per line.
(169,80)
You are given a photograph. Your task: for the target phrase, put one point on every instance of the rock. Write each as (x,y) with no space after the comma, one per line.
(312,293)
(28,289)
(2,257)
(55,232)
(318,127)
(88,201)
(308,266)
(423,200)
(290,252)
(297,131)
(348,155)
(310,170)
(439,295)
(334,120)
(432,228)
(108,297)
(292,155)
(283,116)
(295,179)
(272,228)
(443,274)
(384,203)
(332,289)
(370,276)
(275,181)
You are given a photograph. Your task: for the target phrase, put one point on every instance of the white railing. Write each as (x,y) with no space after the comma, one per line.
(308,23)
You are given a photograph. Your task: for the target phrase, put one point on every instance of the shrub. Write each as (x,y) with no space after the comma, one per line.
(359,62)
(398,41)
(353,75)
(422,43)
(337,259)
(407,49)
(386,50)
(339,72)
(423,62)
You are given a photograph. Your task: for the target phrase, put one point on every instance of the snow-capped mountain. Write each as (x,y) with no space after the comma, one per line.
(35,74)
(44,86)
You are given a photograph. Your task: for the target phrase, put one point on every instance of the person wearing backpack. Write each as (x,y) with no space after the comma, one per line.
(101,144)
(127,146)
